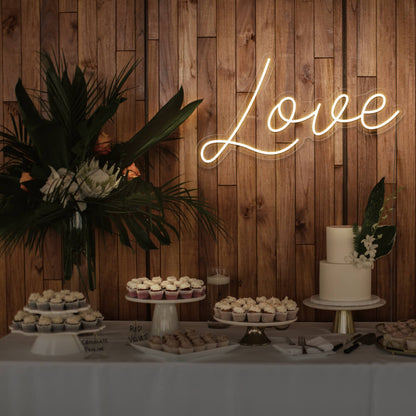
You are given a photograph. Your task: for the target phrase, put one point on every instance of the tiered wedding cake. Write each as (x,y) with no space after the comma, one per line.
(339,279)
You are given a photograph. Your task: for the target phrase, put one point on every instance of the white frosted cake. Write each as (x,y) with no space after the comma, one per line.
(339,279)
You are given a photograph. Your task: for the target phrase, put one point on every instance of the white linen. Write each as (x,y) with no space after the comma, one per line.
(246,381)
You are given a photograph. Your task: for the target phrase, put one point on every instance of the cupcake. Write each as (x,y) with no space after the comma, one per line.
(185,279)
(155,342)
(132,289)
(261,299)
(198,344)
(210,342)
(254,313)
(197,288)
(57,324)
(18,319)
(42,303)
(44,325)
(268,313)
(238,313)
(164,283)
(48,293)
(82,301)
(57,304)
(185,291)
(281,313)
(89,321)
(292,309)
(71,302)
(142,291)
(171,292)
(171,279)
(99,316)
(65,292)
(32,300)
(157,279)
(156,292)
(226,311)
(29,323)
(73,323)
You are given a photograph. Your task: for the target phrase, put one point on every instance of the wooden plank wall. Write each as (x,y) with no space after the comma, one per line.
(275,210)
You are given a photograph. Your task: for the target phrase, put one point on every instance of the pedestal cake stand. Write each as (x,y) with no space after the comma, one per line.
(343,321)
(165,316)
(255,330)
(57,343)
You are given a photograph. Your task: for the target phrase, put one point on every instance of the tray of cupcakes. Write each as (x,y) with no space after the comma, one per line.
(398,337)
(185,345)
(261,311)
(169,289)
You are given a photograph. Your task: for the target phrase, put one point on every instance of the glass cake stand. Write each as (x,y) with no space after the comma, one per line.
(343,321)
(165,315)
(255,330)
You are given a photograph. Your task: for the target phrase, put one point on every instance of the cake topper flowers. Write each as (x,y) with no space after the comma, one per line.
(62,171)
(373,240)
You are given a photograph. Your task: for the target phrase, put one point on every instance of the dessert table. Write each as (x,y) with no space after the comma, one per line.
(245,381)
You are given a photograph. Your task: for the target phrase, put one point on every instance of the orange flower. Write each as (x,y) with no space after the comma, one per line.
(25,177)
(102,145)
(132,172)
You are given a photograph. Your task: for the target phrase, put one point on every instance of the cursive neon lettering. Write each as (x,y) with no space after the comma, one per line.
(342,99)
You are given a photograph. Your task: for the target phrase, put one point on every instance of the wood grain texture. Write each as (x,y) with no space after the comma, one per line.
(275,210)
(405,289)
(324,28)
(367,38)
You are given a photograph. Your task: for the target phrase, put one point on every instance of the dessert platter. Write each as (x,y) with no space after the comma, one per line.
(398,337)
(56,330)
(256,315)
(343,286)
(185,345)
(165,295)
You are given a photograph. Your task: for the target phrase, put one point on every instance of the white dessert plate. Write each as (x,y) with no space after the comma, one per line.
(51,334)
(143,347)
(56,313)
(256,324)
(165,301)
(373,300)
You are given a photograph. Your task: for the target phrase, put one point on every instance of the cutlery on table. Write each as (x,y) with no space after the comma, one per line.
(346,342)
(367,339)
(302,343)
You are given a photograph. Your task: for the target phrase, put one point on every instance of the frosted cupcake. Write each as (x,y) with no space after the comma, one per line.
(73,323)
(238,313)
(171,279)
(254,314)
(71,302)
(292,309)
(18,319)
(222,341)
(29,323)
(142,291)
(44,325)
(171,292)
(57,324)
(82,301)
(217,309)
(57,304)
(89,321)
(157,279)
(198,344)
(197,288)
(210,342)
(32,300)
(268,313)
(185,291)
(132,289)
(185,346)
(281,313)
(48,293)
(42,303)
(99,316)
(156,292)
(171,345)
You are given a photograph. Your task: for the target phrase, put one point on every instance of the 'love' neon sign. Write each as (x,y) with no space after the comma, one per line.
(341,101)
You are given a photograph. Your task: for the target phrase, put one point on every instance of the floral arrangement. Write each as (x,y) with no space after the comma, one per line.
(372,240)
(61,171)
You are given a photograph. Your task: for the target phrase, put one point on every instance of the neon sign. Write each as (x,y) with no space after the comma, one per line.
(342,100)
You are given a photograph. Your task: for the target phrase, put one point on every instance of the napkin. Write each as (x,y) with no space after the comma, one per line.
(296,350)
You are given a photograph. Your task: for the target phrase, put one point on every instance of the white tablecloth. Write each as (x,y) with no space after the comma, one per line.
(246,381)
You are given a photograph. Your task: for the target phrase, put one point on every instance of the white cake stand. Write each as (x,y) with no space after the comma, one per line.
(255,330)
(165,316)
(57,343)
(343,321)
